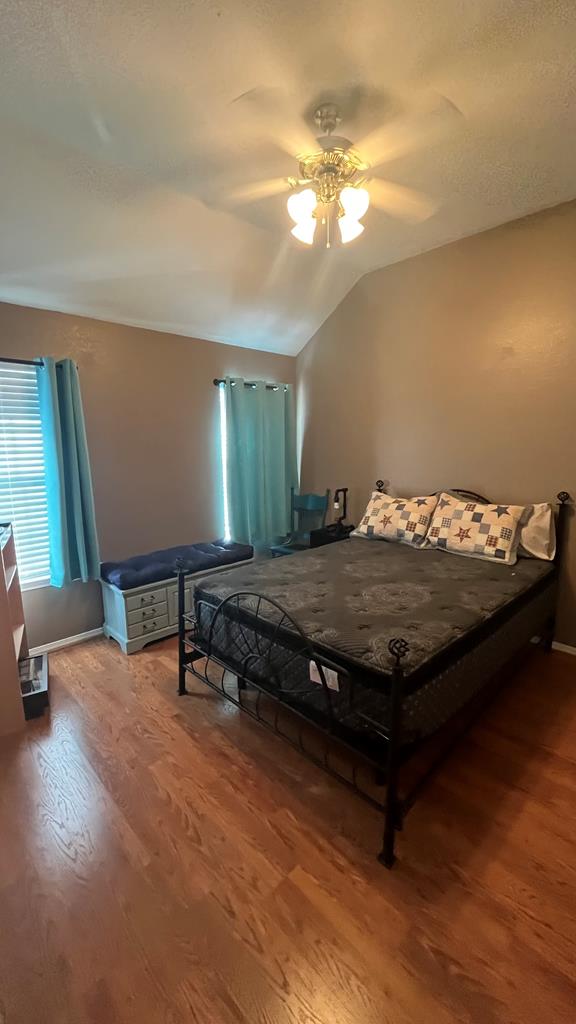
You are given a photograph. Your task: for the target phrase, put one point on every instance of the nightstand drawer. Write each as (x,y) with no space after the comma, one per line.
(148,611)
(148,626)
(141,600)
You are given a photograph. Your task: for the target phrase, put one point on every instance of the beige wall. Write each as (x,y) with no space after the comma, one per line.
(152,423)
(455,368)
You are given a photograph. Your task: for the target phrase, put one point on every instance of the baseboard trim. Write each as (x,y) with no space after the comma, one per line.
(565,648)
(69,641)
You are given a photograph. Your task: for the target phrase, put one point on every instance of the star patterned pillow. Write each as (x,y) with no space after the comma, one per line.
(470,528)
(404,520)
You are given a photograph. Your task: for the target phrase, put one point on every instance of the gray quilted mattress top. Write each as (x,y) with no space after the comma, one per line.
(351,598)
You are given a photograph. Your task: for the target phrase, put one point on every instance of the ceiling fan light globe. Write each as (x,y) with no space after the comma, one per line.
(304,230)
(354,201)
(301,205)
(350,228)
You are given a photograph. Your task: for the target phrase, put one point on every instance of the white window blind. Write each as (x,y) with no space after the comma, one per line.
(22,473)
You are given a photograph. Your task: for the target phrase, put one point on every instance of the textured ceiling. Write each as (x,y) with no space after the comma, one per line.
(122,136)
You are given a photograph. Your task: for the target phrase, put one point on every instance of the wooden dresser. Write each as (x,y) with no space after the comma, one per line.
(138,616)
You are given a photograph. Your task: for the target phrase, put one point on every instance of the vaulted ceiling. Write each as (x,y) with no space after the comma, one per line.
(127,127)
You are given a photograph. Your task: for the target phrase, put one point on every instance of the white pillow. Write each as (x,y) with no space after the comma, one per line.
(538,533)
(470,528)
(405,520)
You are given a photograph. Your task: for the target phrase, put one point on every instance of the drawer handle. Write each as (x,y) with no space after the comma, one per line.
(152,626)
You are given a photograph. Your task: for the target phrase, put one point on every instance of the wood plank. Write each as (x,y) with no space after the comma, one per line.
(165,859)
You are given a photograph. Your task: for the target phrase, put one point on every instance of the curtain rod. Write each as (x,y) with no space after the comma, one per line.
(250,384)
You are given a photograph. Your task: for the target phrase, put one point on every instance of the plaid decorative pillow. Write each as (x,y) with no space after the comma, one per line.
(405,520)
(479,531)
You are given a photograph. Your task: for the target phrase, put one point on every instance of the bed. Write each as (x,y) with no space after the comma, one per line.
(380,646)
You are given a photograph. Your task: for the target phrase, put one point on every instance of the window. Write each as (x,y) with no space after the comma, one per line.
(258,459)
(22,474)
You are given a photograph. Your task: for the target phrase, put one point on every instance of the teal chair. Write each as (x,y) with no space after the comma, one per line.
(308,512)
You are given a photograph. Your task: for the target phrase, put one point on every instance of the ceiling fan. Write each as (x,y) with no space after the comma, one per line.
(335,185)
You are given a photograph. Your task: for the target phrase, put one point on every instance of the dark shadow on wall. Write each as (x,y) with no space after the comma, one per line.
(54,613)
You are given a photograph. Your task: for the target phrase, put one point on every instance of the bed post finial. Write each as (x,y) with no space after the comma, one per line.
(398,648)
(382,486)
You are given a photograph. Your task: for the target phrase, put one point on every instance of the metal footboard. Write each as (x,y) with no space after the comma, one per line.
(249,650)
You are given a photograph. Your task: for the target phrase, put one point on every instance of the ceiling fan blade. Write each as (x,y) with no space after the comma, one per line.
(258,190)
(273,112)
(403,135)
(296,139)
(401,201)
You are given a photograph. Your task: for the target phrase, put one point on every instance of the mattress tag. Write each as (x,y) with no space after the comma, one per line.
(330,676)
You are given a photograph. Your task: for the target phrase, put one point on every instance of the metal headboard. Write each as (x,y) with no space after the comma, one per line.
(468,495)
(383,485)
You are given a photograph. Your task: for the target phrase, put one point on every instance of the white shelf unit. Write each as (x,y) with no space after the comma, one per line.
(13,643)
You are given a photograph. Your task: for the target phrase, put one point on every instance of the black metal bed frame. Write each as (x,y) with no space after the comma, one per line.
(269,650)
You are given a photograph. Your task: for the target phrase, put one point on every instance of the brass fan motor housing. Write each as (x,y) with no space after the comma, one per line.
(330,169)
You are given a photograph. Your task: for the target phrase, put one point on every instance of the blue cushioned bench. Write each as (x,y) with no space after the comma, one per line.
(141,594)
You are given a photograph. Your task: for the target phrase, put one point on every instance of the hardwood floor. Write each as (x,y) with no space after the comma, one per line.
(164,860)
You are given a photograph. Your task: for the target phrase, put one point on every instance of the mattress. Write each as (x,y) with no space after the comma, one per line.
(353,597)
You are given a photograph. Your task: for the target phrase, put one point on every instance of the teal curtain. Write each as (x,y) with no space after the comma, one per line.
(260,460)
(71,520)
